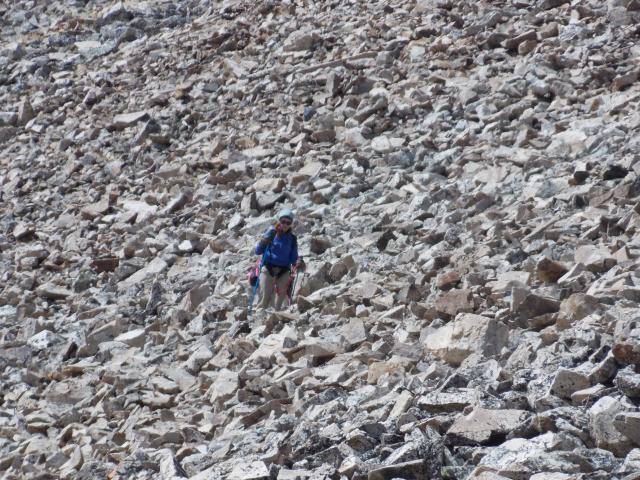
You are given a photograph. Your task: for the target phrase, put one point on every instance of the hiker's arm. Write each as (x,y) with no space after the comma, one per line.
(264,242)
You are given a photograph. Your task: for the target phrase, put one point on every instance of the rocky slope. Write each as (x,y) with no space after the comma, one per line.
(465,176)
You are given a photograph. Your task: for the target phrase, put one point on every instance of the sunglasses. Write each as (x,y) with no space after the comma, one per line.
(285,222)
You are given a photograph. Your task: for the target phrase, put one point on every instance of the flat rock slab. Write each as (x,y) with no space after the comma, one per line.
(453,400)
(249,471)
(482,426)
(141,210)
(53,292)
(124,120)
(133,338)
(156,266)
(311,169)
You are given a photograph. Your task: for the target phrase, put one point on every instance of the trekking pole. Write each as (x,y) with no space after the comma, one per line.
(304,274)
(252,297)
(292,288)
(255,289)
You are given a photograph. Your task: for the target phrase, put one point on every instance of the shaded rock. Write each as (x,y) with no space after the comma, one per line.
(626,342)
(526,304)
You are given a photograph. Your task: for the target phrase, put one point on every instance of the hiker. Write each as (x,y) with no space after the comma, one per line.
(279,250)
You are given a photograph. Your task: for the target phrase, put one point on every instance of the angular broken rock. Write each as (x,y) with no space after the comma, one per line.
(628,424)
(53,292)
(483,426)
(23,232)
(443,158)
(105,264)
(626,341)
(133,338)
(255,470)
(575,308)
(453,400)
(410,469)
(526,305)
(520,457)
(597,259)
(454,301)
(465,335)
(628,381)
(603,428)
(566,382)
(420,456)
(124,120)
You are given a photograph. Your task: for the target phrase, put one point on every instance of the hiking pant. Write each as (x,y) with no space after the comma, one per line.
(273,286)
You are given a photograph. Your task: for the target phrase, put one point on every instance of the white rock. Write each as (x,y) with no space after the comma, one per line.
(381,144)
(353,138)
(133,338)
(465,335)
(256,470)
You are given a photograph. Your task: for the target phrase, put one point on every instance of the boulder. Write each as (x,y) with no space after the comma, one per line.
(626,341)
(482,426)
(603,429)
(465,335)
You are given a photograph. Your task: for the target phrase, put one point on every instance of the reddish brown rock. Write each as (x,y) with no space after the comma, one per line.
(455,301)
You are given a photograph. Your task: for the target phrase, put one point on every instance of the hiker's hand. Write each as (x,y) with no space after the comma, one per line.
(264,242)
(300,265)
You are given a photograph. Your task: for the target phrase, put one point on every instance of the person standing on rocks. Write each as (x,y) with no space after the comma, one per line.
(279,250)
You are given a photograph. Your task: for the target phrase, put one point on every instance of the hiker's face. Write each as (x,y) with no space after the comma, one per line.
(285,223)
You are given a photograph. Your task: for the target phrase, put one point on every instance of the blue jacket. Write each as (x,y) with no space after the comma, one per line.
(282,251)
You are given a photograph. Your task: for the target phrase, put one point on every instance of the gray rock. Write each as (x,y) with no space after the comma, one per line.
(526,305)
(628,381)
(566,382)
(628,423)
(626,346)
(7,133)
(53,292)
(468,217)
(125,120)
(603,428)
